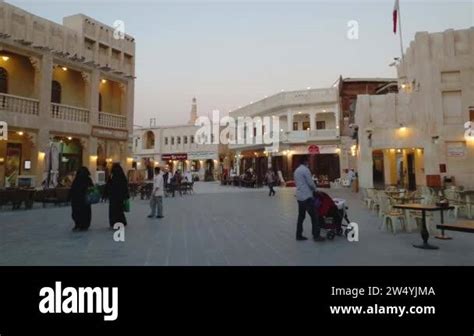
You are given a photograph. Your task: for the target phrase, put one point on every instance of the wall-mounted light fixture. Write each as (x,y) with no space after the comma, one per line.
(469,130)
(353,150)
(5,58)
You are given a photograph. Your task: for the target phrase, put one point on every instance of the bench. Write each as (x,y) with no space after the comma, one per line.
(463,225)
(56,196)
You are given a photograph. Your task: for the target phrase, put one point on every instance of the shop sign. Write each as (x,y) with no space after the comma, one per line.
(109,133)
(176,156)
(202,156)
(456,149)
(323,149)
(313,149)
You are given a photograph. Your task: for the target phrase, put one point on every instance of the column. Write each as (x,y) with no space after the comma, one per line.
(92,156)
(290,120)
(289,162)
(237,163)
(312,120)
(93,80)
(337,119)
(365,164)
(269,160)
(44,94)
(42,144)
(129,94)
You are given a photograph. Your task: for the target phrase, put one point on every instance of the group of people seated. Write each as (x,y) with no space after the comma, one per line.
(177,182)
(248,179)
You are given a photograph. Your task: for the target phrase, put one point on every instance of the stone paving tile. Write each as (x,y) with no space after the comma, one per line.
(216,226)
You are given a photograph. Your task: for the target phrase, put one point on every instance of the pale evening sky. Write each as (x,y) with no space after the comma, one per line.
(229,53)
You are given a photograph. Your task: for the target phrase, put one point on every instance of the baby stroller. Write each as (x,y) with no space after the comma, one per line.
(331,214)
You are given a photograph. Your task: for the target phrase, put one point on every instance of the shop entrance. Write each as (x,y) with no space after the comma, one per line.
(209,172)
(378,174)
(411,171)
(70,158)
(324,166)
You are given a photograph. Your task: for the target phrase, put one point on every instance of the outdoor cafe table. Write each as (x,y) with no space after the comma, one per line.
(424,231)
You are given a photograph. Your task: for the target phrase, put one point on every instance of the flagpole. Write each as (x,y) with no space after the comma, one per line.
(400,30)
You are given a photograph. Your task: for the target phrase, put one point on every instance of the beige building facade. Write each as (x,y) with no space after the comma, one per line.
(308,123)
(179,148)
(70,85)
(418,137)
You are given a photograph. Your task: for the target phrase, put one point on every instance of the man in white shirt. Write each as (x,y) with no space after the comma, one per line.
(156,200)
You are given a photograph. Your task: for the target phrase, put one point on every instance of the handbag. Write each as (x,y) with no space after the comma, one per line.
(126,205)
(92,195)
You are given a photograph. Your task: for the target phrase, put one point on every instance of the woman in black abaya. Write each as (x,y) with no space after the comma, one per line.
(117,192)
(81,210)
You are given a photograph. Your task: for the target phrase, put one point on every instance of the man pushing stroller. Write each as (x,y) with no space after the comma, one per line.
(305,189)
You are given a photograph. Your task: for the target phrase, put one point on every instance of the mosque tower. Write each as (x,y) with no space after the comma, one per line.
(193,116)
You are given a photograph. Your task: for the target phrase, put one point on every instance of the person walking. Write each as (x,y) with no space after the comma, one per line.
(165,181)
(305,189)
(270,178)
(81,210)
(117,191)
(156,200)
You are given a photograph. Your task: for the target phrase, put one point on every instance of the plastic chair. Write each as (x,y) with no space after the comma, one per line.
(369,200)
(391,217)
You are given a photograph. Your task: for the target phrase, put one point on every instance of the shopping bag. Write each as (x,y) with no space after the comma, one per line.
(126,205)
(93,195)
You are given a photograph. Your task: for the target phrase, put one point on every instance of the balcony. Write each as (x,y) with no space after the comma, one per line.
(323,134)
(69,113)
(324,98)
(16,104)
(305,136)
(112,120)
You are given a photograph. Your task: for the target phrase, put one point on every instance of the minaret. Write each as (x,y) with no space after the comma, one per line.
(194,115)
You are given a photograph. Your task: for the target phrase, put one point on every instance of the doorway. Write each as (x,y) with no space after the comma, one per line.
(411,171)
(378,169)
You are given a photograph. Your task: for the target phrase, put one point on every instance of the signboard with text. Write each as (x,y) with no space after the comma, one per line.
(202,155)
(313,149)
(177,156)
(456,149)
(109,133)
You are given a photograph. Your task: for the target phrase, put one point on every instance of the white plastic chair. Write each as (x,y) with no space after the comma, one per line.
(392,220)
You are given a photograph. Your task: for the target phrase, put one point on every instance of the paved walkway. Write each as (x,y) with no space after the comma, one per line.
(216,226)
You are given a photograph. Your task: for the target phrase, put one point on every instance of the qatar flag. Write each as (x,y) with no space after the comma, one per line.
(396,10)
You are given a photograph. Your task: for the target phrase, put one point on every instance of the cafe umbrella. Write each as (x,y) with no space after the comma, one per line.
(51,166)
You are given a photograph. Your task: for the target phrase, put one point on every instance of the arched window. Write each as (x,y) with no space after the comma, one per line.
(55,92)
(149,140)
(3,80)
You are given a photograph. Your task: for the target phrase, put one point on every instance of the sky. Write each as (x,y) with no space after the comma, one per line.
(230,53)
